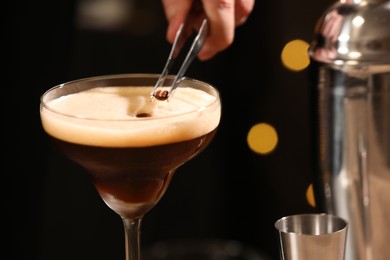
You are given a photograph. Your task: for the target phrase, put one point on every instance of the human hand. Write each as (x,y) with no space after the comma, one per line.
(223,18)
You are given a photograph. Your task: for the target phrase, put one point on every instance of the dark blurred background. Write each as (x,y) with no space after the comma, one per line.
(228,192)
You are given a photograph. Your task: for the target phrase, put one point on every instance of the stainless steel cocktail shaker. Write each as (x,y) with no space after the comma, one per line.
(352,177)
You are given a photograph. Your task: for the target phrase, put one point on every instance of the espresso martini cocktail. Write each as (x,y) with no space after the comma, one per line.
(130,144)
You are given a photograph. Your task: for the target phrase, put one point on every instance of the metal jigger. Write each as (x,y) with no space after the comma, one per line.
(352,49)
(312,237)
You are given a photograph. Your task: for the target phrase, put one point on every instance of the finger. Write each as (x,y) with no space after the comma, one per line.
(176,12)
(220,14)
(243,9)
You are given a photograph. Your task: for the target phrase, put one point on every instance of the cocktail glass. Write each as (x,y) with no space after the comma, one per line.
(129,143)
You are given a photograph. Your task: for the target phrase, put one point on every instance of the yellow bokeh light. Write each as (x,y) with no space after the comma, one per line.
(310,196)
(262,138)
(295,55)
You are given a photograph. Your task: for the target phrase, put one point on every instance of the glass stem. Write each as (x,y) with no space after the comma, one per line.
(132,238)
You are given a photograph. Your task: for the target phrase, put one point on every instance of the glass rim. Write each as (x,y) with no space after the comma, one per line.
(193,81)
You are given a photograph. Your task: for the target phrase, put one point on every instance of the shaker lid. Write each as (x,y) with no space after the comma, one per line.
(353,32)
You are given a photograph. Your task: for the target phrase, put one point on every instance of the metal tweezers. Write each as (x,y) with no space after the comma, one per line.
(185,31)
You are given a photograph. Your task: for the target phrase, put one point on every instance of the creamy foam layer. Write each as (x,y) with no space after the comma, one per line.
(108,117)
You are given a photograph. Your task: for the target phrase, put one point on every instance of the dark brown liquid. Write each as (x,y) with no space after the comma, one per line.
(137,176)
